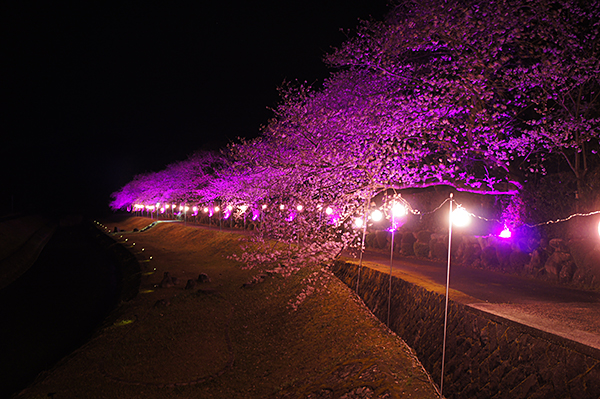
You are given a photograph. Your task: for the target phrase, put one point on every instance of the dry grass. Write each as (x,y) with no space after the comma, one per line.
(224,341)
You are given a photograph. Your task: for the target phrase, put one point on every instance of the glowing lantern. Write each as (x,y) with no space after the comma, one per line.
(505,233)
(187,208)
(358,223)
(299,208)
(264,206)
(206,210)
(398,210)
(216,209)
(460,217)
(195,209)
(329,210)
(282,207)
(376,215)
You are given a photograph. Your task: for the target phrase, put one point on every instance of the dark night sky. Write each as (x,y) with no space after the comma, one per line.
(95,95)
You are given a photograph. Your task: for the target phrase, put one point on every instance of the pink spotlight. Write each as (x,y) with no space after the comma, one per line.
(505,233)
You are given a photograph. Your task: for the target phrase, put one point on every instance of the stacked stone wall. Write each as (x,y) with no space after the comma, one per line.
(486,356)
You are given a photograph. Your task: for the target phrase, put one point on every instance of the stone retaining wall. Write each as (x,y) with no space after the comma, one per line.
(486,356)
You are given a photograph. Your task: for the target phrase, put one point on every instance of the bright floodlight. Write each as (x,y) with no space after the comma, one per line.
(195,209)
(205,209)
(376,215)
(216,209)
(358,223)
(329,210)
(460,217)
(157,204)
(299,208)
(398,210)
(505,233)
(282,207)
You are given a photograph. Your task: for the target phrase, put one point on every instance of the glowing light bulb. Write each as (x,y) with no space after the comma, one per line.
(282,207)
(329,210)
(460,217)
(358,223)
(299,208)
(244,208)
(205,210)
(216,209)
(264,206)
(195,209)
(187,208)
(398,210)
(229,207)
(376,215)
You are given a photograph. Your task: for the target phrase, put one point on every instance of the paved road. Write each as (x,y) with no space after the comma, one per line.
(568,312)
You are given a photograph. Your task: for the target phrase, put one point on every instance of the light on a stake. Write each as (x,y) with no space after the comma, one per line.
(460,217)
(376,215)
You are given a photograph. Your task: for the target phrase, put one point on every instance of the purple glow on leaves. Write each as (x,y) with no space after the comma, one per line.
(291,217)
(255,214)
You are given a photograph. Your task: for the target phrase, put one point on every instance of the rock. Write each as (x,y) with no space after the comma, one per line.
(518,260)
(536,264)
(589,274)
(421,249)
(489,258)
(558,244)
(167,281)
(439,249)
(191,284)
(556,262)
(203,278)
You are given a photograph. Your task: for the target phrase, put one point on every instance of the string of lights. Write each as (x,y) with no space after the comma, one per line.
(395,206)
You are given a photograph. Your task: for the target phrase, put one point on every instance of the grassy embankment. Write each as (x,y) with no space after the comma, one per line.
(223,341)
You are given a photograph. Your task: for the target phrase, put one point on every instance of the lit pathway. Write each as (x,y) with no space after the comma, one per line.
(567,312)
